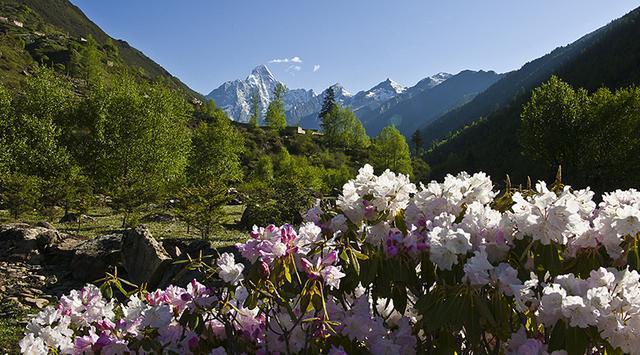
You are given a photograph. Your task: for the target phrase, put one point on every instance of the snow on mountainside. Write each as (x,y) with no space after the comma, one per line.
(429,82)
(234,97)
(375,96)
(302,106)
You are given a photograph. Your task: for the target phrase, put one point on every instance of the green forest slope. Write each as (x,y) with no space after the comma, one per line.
(609,57)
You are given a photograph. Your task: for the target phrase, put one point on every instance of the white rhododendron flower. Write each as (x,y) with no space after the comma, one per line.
(157,316)
(447,245)
(476,270)
(230,271)
(548,217)
(31,345)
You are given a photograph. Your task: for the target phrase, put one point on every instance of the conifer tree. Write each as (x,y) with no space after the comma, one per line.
(254,119)
(328,104)
(209,108)
(416,139)
(92,68)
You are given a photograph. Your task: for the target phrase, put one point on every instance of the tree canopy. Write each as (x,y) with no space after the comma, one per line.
(391,151)
(342,129)
(276,117)
(254,119)
(590,136)
(215,151)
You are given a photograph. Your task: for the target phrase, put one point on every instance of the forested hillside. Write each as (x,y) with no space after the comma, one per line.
(532,74)
(52,31)
(491,142)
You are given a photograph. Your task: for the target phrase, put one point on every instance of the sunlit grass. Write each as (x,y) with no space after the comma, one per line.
(106,221)
(12,324)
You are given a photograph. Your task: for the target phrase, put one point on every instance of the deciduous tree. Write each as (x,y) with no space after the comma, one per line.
(276,117)
(391,151)
(215,151)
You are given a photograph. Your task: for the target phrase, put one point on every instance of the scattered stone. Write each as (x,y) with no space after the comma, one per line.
(70,218)
(144,258)
(85,217)
(38,263)
(237,201)
(38,302)
(93,258)
(45,225)
(19,240)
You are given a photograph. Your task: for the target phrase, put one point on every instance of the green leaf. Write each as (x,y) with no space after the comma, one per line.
(360,255)
(344,256)
(548,259)
(633,258)
(305,299)
(577,340)
(558,337)
(354,262)
(252,301)
(287,271)
(107,291)
(317,301)
(369,271)
(472,322)
(399,296)
(482,307)
(400,223)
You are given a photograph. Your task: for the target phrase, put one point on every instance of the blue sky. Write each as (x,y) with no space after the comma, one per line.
(355,42)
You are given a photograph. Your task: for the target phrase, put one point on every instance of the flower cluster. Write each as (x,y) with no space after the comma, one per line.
(608,299)
(394,268)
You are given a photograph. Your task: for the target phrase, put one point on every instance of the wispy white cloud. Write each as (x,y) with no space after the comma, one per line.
(295,59)
(292,69)
(316,68)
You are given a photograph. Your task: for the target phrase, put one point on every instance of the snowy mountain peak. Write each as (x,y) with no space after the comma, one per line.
(384,91)
(390,85)
(340,90)
(262,71)
(302,106)
(234,97)
(431,81)
(442,76)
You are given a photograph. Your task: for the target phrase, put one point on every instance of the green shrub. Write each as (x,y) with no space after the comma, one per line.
(19,193)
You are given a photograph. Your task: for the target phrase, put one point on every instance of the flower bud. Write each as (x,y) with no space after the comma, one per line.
(264,269)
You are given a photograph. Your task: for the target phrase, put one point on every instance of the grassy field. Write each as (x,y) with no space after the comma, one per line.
(104,221)
(12,322)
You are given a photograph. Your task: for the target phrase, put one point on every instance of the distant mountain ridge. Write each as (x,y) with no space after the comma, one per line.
(408,113)
(303,106)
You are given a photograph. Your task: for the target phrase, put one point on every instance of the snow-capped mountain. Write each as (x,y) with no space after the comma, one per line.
(375,96)
(429,82)
(302,106)
(426,101)
(234,97)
